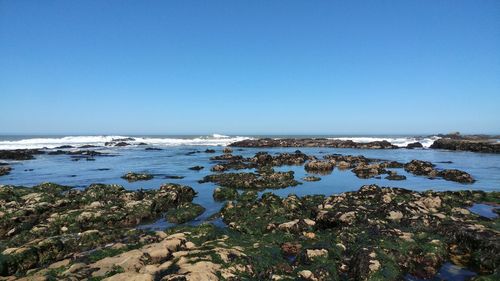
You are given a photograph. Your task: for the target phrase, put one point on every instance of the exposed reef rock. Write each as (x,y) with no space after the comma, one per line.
(184,213)
(5,170)
(258,181)
(311,142)
(424,168)
(49,222)
(474,145)
(414,145)
(19,154)
(370,234)
(132,177)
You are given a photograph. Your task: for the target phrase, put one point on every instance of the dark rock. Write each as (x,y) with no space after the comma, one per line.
(64,147)
(196,168)
(488,146)
(152,148)
(88,146)
(414,145)
(19,154)
(456,175)
(174,177)
(311,142)
(122,144)
(421,168)
(209,151)
(395,177)
(424,168)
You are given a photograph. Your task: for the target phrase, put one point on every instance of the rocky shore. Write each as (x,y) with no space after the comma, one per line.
(52,232)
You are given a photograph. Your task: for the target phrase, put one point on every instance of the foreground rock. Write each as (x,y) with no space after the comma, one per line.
(49,222)
(474,145)
(371,234)
(312,142)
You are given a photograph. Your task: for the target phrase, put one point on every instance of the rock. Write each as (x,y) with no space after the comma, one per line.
(19,154)
(227,150)
(184,213)
(132,177)
(209,151)
(395,215)
(130,276)
(196,168)
(456,175)
(264,180)
(395,177)
(425,168)
(311,178)
(311,142)
(414,145)
(225,193)
(5,170)
(291,249)
(481,145)
(313,254)
(348,217)
(319,166)
(306,275)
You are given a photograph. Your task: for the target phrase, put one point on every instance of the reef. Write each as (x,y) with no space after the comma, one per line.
(312,142)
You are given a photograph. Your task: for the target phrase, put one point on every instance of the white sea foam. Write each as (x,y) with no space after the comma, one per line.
(215,140)
(398,141)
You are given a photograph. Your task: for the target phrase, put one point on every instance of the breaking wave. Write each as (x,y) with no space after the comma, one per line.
(212,140)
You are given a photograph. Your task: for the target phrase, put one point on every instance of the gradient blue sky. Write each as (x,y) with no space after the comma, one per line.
(247,67)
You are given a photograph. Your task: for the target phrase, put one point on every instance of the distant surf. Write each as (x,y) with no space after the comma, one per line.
(53,142)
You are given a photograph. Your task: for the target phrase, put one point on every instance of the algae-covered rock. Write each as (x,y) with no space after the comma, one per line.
(262,180)
(184,213)
(75,220)
(225,193)
(132,177)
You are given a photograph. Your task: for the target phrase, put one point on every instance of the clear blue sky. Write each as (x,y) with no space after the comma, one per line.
(246,67)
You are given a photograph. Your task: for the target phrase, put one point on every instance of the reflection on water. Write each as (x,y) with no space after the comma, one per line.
(447,272)
(485,210)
